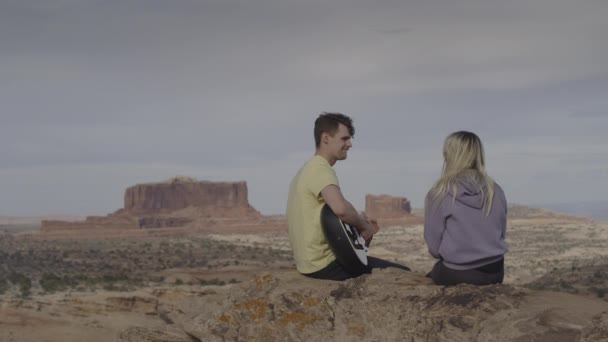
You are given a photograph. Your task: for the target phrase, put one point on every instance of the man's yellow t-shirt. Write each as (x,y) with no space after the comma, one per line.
(310,248)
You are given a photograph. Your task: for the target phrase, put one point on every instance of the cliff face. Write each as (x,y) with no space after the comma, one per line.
(176,194)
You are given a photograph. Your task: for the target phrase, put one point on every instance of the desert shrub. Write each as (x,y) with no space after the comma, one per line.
(3,286)
(16,257)
(214,281)
(82,278)
(94,251)
(122,286)
(178,281)
(109,278)
(23,282)
(157,278)
(110,287)
(600,292)
(135,281)
(50,282)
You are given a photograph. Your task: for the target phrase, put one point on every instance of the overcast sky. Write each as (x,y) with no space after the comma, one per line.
(98,95)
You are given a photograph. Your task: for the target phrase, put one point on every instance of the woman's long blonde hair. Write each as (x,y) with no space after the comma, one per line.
(463,161)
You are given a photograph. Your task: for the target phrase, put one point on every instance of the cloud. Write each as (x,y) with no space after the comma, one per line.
(139,90)
(396,31)
(592,114)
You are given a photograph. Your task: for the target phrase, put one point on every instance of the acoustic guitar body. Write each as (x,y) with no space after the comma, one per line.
(345,241)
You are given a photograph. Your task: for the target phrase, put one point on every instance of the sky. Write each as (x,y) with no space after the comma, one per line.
(99,95)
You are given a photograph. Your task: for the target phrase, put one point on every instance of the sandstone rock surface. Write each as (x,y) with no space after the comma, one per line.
(388,305)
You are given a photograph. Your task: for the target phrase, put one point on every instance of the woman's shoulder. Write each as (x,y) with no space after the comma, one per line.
(499,191)
(497,187)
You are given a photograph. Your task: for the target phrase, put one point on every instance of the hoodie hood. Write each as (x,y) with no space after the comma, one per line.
(469,193)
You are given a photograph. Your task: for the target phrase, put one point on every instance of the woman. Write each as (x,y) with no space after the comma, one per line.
(465,217)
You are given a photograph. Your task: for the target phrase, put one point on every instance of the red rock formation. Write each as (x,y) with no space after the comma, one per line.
(177,202)
(178,194)
(391,210)
(385,206)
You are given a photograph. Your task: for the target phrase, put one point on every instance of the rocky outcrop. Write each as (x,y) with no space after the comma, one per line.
(179,193)
(391,210)
(177,202)
(385,206)
(388,305)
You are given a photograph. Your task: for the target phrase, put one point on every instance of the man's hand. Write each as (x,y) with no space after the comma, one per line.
(369,228)
(373,222)
(347,213)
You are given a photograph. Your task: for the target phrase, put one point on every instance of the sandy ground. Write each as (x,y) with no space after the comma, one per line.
(537,246)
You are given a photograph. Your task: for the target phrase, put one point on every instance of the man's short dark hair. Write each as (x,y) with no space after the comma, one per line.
(329,123)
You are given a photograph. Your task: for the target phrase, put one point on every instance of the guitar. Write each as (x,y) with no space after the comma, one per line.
(344,240)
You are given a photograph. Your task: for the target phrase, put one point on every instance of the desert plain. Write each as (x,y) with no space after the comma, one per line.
(222,279)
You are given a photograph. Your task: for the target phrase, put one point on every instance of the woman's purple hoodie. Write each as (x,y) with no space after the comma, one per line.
(458,231)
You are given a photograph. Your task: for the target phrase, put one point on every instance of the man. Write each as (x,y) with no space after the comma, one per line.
(314,185)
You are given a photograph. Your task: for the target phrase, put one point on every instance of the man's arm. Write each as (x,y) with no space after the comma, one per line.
(346,212)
